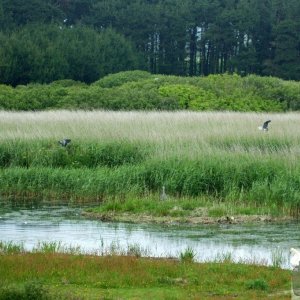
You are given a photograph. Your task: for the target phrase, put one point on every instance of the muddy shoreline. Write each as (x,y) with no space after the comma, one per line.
(193,220)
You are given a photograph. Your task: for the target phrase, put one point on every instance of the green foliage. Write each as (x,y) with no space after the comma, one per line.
(190,38)
(257,284)
(138,90)
(188,96)
(242,93)
(50,52)
(30,291)
(113,80)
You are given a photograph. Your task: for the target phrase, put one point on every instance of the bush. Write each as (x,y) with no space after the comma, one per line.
(187,96)
(257,284)
(117,79)
(139,90)
(30,291)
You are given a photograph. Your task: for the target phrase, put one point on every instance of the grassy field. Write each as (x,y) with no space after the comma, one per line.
(121,156)
(47,275)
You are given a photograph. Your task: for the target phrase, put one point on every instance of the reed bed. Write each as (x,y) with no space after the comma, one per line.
(143,126)
(123,154)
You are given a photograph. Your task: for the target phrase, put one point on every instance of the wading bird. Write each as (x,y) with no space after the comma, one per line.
(64,142)
(163,195)
(264,127)
(294,258)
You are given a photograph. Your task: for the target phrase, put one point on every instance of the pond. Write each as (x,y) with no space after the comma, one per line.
(259,243)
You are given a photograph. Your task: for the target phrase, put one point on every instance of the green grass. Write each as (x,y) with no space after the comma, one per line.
(10,247)
(182,209)
(126,156)
(66,276)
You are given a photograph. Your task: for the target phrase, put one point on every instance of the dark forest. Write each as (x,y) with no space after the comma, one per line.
(84,40)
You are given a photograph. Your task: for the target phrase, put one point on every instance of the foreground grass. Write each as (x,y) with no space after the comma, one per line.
(66,276)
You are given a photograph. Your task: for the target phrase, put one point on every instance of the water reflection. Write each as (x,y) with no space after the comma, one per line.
(255,242)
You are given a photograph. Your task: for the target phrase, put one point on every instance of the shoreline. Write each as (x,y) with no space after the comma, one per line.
(192,220)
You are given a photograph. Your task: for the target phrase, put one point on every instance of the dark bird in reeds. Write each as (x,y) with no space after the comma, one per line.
(265,127)
(64,142)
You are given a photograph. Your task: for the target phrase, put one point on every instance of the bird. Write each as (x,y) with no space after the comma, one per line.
(230,219)
(64,142)
(163,195)
(294,258)
(264,127)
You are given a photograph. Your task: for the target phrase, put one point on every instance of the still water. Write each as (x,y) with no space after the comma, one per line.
(261,243)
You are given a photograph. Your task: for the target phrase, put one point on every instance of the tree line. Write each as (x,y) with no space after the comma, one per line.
(179,37)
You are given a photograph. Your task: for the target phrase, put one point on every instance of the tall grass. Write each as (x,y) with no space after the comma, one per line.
(159,127)
(123,154)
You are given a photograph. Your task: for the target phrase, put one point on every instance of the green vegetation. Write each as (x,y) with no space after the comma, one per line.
(28,291)
(178,37)
(48,154)
(257,284)
(44,275)
(139,90)
(123,159)
(48,53)
(188,255)
(197,210)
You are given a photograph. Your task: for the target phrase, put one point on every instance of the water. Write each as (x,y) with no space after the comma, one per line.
(255,242)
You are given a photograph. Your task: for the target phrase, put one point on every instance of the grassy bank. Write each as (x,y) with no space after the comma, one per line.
(122,156)
(187,210)
(45,275)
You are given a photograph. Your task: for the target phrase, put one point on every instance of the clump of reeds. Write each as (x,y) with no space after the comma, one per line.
(188,255)
(11,247)
(77,155)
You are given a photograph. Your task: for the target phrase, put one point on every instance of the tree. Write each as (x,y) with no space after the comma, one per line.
(21,12)
(287,51)
(51,52)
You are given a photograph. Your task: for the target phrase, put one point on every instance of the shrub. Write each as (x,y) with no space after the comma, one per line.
(257,284)
(117,79)
(139,90)
(30,291)
(187,96)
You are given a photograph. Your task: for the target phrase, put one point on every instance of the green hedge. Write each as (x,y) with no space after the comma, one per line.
(139,90)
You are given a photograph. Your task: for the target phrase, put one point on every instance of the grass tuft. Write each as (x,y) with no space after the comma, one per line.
(188,255)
